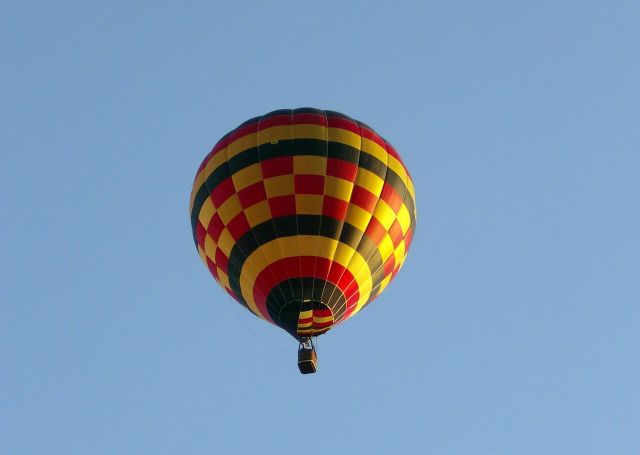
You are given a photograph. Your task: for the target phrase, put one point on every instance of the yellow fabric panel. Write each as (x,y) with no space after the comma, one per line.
(281,185)
(305,325)
(385,214)
(342,253)
(338,188)
(224,278)
(358,217)
(309,204)
(206,212)
(383,284)
(214,162)
(229,209)
(412,191)
(404,219)
(260,261)
(308,245)
(369,181)
(373,148)
(297,245)
(226,242)
(241,144)
(345,137)
(330,252)
(385,247)
(308,164)
(397,167)
(355,264)
(361,275)
(374,184)
(197,183)
(320,319)
(247,176)
(244,284)
(399,254)
(210,247)
(275,134)
(305,314)
(308,131)
(258,213)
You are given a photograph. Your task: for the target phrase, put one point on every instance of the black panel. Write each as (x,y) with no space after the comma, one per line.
(285,313)
(244,159)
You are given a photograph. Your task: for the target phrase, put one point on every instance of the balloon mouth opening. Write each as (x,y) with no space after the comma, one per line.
(305,318)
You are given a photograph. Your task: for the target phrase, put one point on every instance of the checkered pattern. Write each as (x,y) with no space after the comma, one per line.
(313,187)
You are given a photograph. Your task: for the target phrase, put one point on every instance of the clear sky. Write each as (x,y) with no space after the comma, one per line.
(513,327)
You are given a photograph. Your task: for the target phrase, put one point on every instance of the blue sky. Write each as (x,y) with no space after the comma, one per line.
(513,326)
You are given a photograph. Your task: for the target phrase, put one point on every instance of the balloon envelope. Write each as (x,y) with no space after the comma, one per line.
(303,216)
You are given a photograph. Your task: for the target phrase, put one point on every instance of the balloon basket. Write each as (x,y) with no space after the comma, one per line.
(307,357)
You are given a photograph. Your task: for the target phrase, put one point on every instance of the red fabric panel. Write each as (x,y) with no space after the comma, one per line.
(274,120)
(243,130)
(307,266)
(375,231)
(395,232)
(277,166)
(342,169)
(407,239)
(309,118)
(345,124)
(334,208)
(394,153)
(215,227)
(322,268)
(282,206)
(252,194)
(391,197)
(364,198)
(222,143)
(351,305)
(389,265)
(372,135)
(275,273)
(222,192)
(321,325)
(238,226)
(200,234)
(309,184)
(222,260)
(322,312)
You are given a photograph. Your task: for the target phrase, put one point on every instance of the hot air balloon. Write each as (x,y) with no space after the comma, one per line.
(303,216)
